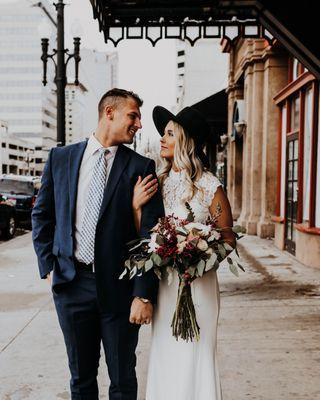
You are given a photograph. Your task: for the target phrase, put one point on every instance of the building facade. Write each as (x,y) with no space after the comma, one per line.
(272,146)
(20,156)
(98,73)
(75,113)
(201,71)
(297,214)
(27,105)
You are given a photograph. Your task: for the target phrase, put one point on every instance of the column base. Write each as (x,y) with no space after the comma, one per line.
(265,229)
(242,220)
(251,228)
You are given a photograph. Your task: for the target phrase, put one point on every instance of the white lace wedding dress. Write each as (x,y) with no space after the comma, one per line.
(180,370)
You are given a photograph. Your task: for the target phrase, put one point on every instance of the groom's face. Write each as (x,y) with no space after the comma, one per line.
(126,121)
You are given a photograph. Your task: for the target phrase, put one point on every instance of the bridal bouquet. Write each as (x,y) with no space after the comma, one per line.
(189,248)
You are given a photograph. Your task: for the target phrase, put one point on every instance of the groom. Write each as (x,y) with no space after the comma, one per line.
(82,221)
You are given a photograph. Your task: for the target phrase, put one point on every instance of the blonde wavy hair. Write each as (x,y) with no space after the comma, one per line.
(184,159)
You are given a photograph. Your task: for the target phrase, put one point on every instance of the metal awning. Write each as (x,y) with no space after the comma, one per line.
(162,19)
(293,25)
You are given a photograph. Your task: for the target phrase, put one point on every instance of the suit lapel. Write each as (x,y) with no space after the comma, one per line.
(75,158)
(121,159)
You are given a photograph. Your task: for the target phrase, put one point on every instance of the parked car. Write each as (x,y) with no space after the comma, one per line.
(7,219)
(22,192)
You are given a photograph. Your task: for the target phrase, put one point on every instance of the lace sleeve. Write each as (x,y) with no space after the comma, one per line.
(209,184)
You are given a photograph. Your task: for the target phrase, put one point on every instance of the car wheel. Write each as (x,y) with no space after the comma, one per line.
(10,229)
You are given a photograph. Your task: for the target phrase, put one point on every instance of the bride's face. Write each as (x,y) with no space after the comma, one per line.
(168,142)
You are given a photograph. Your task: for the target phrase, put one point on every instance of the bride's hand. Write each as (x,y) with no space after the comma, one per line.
(144,189)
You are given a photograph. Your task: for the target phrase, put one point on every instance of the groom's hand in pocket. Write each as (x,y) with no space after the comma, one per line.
(49,279)
(140,313)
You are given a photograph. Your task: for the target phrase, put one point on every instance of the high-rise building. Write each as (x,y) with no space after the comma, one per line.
(75,112)
(98,74)
(201,71)
(27,105)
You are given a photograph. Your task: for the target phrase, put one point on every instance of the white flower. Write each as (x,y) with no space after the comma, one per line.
(205,229)
(202,245)
(180,238)
(153,245)
(215,235)
(181,246)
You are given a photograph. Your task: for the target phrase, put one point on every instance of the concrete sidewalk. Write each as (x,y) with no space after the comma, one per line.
(269,330)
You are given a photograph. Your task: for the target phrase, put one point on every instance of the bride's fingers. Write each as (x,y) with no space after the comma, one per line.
(150,184)
(146,179)
(152,191)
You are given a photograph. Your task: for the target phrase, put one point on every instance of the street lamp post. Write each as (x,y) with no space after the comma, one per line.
(60,67)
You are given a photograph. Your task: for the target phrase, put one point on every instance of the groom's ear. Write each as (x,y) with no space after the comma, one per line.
(109,112)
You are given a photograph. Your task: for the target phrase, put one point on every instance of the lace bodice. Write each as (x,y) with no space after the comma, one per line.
(175,188)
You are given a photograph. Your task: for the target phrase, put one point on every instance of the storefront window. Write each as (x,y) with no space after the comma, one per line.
(295,69)
(295,108)
(307,154)
(318,177)
(283,159)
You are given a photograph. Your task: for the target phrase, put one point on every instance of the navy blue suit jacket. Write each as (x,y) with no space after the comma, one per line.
(53,224)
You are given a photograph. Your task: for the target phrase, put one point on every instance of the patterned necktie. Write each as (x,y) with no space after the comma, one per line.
(92,208)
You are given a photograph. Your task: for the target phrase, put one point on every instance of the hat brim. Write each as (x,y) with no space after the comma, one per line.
(161,116)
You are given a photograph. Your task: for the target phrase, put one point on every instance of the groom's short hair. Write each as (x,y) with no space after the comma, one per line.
(114,97)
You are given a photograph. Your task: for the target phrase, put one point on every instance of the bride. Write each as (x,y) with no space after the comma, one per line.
(180,370)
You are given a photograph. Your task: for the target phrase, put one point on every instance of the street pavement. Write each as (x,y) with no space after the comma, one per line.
(269,331)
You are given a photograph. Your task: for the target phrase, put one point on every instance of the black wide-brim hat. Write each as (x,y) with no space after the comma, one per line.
(192,121)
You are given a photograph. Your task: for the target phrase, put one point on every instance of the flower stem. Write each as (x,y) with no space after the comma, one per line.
(184,323)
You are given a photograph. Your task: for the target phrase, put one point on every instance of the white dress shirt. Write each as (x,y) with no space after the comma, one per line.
(90,156)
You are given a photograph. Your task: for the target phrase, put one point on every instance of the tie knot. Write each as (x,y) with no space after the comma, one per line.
(103,151)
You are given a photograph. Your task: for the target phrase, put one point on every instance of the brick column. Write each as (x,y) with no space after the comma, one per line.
(275,78)
(256,123)
(246,165)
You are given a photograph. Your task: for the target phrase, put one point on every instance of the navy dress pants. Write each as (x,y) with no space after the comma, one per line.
(84,327)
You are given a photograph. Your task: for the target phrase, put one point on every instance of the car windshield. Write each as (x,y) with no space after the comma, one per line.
(16,187)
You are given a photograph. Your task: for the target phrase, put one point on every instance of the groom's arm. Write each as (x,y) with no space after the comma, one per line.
(146,286)
(43,221)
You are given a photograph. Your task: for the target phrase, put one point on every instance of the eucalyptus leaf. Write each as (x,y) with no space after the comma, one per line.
(216,265)
(124,273)
(228,247)
(158,273)
(148,265)
(241,267)
(182,231)
(208,266)
(133,242)
(156,259)
(237,229)
(210,262)
(191,271)
(133,272)
(222,250)
(159,240)
(141,263)
(237,253)
(201,267)
(233,268)
(139,244)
